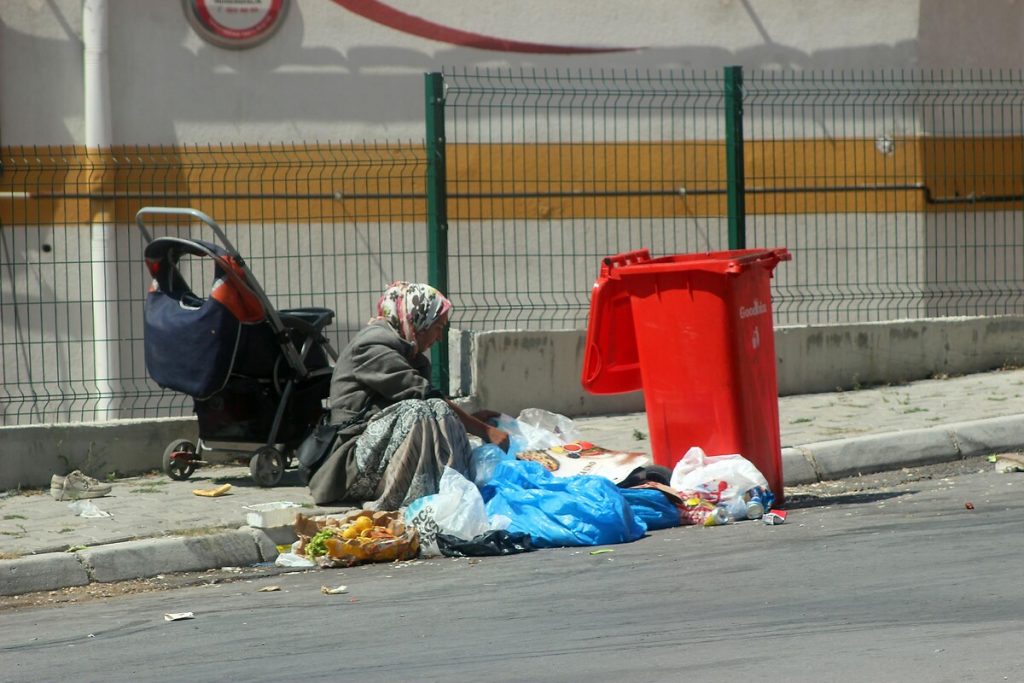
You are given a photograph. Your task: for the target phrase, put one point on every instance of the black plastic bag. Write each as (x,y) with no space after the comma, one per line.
(315,448)
(498,542)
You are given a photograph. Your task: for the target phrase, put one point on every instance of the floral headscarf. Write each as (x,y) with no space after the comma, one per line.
(410,307)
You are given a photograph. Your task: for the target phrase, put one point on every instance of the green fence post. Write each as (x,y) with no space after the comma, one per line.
(735,189)
(437,214)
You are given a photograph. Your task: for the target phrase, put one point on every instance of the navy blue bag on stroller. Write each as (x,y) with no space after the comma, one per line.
(258,377)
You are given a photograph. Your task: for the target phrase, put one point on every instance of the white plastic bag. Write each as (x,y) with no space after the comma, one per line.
(87,508)
(727,475)
(293,559)
(457,509)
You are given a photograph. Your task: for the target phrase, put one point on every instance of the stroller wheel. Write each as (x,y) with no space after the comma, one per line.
(267,466)
(179,457)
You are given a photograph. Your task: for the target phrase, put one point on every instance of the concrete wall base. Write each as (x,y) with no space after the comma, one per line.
(513,370)
(31,454)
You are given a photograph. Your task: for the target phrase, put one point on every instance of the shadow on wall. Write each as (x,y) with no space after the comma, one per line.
(254,89)
(53,109)
(953,34)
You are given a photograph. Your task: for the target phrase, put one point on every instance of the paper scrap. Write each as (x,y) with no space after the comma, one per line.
(326,590)
(178,616)
(269,589)
(213,493)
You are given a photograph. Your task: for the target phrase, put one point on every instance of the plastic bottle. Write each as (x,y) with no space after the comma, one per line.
(737,508)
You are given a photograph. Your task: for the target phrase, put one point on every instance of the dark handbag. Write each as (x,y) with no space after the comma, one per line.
(315,448)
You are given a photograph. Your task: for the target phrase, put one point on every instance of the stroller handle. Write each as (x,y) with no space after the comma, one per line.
(179,211)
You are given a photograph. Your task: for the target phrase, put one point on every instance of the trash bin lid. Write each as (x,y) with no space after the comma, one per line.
(721,262)
(611,363)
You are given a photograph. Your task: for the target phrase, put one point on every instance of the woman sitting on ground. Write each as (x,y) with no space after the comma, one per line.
(404,431)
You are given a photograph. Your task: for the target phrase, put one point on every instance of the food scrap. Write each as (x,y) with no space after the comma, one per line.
(213,493)
(360,536)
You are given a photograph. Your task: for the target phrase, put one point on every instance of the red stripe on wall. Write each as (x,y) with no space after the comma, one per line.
(383,14)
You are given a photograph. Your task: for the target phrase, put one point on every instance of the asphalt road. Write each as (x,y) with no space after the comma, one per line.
(895,580)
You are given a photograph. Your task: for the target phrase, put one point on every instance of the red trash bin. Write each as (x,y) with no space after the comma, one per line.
(695,333)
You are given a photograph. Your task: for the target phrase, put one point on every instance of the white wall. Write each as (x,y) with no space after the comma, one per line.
(329,74)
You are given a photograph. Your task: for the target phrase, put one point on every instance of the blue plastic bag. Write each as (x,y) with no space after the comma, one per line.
(561,511)
(653,507)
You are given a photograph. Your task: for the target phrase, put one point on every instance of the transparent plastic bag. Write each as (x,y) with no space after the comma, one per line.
(562,428)
(538,429)
(485,459)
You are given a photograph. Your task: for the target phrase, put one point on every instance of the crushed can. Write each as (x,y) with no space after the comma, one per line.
(756,503)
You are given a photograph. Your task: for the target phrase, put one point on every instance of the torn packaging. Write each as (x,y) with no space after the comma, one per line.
(582,457)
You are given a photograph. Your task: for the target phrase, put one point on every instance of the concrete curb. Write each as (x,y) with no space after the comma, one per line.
(135,560)
(46,572)
(828,460)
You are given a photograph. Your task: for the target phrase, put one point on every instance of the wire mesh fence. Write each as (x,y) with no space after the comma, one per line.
(319,225)
(548,172)
(898,193)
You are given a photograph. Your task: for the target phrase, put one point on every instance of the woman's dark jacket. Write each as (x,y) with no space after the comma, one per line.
(373,372)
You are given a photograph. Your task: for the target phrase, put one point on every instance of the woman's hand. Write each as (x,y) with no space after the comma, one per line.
(486,415)
(477,426)
(499,437)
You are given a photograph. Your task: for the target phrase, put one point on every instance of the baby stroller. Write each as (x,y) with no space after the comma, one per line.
(258,377)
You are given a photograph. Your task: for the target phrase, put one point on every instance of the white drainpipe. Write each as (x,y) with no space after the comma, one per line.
(104,238)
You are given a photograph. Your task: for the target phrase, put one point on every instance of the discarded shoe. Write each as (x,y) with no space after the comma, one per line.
(77,485)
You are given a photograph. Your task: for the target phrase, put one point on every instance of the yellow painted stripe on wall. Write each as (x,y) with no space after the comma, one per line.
(338,183)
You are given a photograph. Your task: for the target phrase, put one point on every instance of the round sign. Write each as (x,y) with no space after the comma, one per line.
(235,23)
